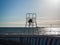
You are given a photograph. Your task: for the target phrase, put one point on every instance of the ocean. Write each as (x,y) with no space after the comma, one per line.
(29,36)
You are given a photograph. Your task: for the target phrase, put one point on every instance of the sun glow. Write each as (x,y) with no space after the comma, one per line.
(53,1)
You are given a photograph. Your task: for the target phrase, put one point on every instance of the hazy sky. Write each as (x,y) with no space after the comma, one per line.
(13,12)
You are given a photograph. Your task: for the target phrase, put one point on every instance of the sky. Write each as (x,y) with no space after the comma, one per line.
(13,12)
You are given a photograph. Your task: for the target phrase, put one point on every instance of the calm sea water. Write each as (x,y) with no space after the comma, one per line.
(16,29)
(33,40)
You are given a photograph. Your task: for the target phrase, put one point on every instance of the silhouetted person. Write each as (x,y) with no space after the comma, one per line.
(30,21)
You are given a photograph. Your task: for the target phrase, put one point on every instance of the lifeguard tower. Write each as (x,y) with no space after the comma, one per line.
(31,20)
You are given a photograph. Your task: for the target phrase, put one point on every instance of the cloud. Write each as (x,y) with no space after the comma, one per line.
(22,23)
(12,24)
(48,22)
